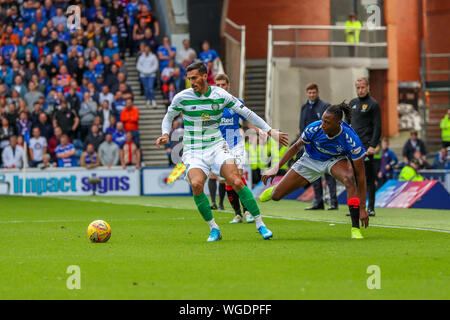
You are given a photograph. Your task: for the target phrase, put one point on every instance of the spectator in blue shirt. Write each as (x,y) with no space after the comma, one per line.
(6,74)
(131,7)
(60,18)
(119,103)
(8,49)
(20,27)
(58,56)
(207,54)
(442,160)
(387,163)
(111,129)
(24,45)
(165,53)
(29,11)
(40,51)
(39,19)
(110,49)
(92,12)
(74,44)
(63,36)
(120,135)
(91,74)
(65,153)
(48,11)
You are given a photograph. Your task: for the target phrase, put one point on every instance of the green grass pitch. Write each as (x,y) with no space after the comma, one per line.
(158,251)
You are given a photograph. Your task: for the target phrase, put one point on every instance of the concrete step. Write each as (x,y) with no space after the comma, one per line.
(155,157)
(152,133)
(255,73)
(146,117)
(256,86)
(150,126)
(154,163)
(259,80)
(151,111)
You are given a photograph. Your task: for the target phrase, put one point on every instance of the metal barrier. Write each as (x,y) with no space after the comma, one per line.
(316,37)
(230,28)
(435,77)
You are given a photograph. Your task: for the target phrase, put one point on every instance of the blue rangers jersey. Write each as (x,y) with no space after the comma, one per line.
(321,147)
(229,126)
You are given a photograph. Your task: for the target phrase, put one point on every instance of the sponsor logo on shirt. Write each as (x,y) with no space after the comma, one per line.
(356,151)
(226,121)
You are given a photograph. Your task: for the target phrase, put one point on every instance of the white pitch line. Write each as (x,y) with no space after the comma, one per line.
(69,221)
(264,216)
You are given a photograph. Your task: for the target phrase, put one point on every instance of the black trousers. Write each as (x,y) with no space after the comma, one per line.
(256,176)
(371,177)
(318,191)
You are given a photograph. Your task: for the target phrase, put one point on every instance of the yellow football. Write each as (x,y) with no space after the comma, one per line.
(99,231)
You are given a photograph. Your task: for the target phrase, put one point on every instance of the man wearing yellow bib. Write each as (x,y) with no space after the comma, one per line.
(353,28)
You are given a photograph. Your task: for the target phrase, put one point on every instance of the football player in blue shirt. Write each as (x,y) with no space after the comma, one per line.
(230,128)
(328,143)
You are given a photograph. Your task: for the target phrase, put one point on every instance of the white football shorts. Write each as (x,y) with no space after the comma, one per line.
(208,160)
(311,169)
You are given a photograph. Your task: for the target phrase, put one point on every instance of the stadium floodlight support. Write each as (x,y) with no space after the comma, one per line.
(271,43)
(241,43)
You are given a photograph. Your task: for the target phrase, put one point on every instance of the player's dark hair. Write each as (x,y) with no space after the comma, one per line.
(200,66)
(341,111)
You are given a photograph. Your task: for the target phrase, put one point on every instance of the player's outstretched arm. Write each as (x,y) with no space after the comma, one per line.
(258,122)
(272,172)
(361,181)
(166,126)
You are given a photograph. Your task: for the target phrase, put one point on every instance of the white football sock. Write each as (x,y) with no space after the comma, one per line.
(212,224)
(258,221)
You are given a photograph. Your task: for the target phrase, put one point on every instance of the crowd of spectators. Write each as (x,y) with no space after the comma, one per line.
(63,87)
(414,155)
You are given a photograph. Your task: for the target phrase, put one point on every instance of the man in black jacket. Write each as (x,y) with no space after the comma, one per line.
(366,121)
(312,111)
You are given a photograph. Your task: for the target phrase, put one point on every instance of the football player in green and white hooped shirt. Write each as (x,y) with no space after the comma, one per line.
(205,150)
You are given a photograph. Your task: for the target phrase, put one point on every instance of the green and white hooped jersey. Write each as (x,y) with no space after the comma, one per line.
(202,114)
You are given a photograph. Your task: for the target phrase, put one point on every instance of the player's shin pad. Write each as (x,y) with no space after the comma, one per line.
(248,200)
(203,206)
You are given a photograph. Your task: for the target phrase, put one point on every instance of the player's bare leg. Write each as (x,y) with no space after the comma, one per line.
(343,172)
(289,183)
(231,174)
(197,180)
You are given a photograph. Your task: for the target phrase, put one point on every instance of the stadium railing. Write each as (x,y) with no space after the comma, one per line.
(235,37)
(434,73)
(319,42)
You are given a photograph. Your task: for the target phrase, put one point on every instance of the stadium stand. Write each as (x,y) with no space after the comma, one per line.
(65,76)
